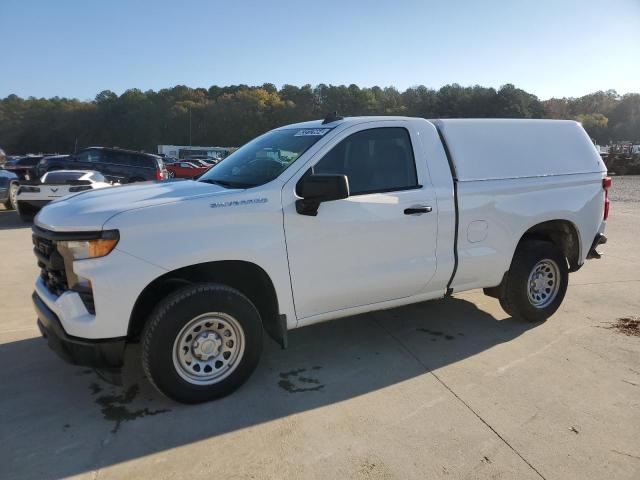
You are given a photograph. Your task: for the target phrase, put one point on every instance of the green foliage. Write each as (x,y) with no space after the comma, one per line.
(607,116)
(233,114)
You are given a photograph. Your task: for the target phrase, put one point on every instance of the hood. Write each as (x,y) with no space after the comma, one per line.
(90,210)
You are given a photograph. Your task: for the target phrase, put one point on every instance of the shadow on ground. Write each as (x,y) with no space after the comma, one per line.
(9,220)
(57,420)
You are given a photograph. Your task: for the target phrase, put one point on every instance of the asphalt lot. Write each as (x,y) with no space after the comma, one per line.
(443,389)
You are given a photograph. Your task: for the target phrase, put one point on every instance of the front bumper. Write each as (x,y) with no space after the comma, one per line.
(102,354)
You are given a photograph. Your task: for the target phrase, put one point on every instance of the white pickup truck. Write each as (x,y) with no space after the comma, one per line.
(312,222)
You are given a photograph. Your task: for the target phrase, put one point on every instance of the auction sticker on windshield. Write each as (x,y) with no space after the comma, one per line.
(311,132)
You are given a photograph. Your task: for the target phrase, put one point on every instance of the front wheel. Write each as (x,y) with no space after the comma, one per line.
(201,343)
(536,282)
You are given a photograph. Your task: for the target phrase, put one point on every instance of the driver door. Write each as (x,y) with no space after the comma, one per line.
(367,248)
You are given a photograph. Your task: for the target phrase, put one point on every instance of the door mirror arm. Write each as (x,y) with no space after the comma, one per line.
(318,188)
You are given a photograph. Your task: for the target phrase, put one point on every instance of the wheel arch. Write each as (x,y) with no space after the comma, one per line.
(561,232)
(247,277)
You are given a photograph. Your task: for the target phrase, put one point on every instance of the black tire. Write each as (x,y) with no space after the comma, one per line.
(513,293)
(177,311)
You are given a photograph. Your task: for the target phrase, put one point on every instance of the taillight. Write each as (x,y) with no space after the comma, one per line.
(606,185)
(159,175)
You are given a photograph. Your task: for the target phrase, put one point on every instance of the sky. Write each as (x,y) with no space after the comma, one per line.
(552,48)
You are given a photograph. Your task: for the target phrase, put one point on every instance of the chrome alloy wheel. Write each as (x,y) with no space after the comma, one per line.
(543,283)
(208,348)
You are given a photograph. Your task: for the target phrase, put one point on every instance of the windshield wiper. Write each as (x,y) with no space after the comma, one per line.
(228,184)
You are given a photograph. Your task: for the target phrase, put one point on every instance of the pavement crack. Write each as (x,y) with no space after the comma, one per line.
(444,384)
(626,454)
(603,283)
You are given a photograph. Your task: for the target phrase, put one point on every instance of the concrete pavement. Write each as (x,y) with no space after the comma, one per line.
(443,389)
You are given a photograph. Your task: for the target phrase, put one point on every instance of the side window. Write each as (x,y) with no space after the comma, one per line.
(375,160)
(82,157)
(138,160)
(120,158)
(89,156)
(96,156)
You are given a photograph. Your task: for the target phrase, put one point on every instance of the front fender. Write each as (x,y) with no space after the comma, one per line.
(243,226)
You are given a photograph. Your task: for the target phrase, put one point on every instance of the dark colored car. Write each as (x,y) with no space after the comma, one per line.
(49,161)
(124,166)
(24,167)
(9,183)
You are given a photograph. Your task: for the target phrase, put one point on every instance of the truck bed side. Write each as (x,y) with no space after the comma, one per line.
(495,214)
(511,176)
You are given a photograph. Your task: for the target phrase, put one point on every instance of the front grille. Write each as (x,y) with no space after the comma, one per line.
(51,263)
(53,272)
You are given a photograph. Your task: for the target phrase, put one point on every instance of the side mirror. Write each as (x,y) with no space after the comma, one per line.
(318,188)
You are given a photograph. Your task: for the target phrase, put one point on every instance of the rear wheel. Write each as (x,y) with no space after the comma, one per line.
(201,343)
(536,282)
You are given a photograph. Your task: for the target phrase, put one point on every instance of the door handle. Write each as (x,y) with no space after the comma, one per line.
(417,210)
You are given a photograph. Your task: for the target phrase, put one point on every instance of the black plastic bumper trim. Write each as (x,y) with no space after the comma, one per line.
(600,239)
(104,353)
(34,203)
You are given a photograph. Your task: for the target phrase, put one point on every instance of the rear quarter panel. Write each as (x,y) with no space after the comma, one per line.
(494,214)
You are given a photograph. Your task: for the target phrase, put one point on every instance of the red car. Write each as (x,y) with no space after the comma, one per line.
(185,170)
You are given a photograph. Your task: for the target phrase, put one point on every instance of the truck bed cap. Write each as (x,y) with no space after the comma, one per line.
(488,149)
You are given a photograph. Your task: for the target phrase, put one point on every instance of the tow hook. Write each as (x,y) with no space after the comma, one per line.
(599,240)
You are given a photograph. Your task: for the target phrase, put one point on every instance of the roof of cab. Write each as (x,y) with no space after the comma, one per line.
(345,121)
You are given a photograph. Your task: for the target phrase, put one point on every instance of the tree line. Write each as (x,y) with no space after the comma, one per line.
(232,115)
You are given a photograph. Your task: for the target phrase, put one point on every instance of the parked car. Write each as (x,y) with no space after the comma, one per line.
(31,198)
(50,162)
(185,170)
(123,166)
(350,215)
(24,167)
(9,183)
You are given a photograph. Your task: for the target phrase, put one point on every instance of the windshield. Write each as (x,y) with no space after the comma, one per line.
(264,158)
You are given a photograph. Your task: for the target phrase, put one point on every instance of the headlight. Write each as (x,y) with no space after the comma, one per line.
(25,189)
(83,249)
